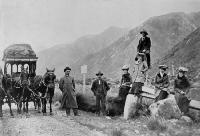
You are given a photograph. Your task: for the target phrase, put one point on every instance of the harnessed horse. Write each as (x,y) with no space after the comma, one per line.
(49,80)
(8,91)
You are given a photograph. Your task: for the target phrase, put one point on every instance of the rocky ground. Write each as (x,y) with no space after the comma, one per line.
(35,124)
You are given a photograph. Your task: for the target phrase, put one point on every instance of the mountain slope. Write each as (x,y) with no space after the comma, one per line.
(61,55)
(165,32)
(185,53)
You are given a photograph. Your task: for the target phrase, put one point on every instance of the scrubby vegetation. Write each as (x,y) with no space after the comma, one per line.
(157,124)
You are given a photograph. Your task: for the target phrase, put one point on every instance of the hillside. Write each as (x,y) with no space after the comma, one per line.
(185,53)
(61,55)
(165,32)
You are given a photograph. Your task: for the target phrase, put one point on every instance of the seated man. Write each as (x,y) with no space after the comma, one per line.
(24,77)
(125,83)
(162,83)
(181,88)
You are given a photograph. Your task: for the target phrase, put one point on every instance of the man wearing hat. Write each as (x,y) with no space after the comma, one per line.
(67,86)
(100,88)
(144,46)
(162,83)
(181,88)
(24,76)
(125,83)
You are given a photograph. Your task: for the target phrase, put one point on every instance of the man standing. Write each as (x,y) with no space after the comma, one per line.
(125,83)
(144,46)
(67,86)
(100,88)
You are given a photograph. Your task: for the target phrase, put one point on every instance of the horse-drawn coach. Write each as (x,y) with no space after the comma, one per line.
(20,84)
(19,64)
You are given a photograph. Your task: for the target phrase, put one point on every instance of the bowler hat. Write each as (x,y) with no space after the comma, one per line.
(144,31)
(164,67)
(67,68)
(99,73)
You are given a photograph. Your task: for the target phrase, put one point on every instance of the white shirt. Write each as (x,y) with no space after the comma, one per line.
(161,74)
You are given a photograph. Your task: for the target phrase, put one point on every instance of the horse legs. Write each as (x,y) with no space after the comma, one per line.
(35,103)
(1,104)
(38,102)
(24,108)
(19,106)
(50,102)
(27,100)
(44,102)
(9,104)
(51,93)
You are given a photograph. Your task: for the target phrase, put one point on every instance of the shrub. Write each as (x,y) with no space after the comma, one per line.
(157,124)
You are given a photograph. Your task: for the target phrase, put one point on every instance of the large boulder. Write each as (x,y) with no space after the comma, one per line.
(86,101)
(130,108)
(114,106)
(166,108)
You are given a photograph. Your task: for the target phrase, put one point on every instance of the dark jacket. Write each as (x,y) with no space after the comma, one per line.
(100,89)
(181,84)
(126,80)
(162,82)
(181,88)
(144,44)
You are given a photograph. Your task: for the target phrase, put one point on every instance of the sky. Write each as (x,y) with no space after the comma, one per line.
(45,23)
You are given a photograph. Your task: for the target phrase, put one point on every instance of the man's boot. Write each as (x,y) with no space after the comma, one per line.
(68,111)
(76,112)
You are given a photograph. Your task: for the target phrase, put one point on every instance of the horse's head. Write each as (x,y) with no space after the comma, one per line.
(50,77)
(50,71)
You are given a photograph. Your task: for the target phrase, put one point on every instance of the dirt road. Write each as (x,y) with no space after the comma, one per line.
(35,124)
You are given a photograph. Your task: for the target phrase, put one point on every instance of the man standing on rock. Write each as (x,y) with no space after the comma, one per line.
(67,86)
(144,46)
(100,88)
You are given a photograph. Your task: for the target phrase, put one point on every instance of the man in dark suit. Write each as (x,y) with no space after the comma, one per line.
(100,88)
(144,46)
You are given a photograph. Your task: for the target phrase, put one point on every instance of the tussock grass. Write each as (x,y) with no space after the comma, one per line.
(116,132)
(157,124)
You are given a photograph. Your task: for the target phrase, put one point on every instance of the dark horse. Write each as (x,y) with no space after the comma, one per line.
(38,87)
(9,91)
(49,80)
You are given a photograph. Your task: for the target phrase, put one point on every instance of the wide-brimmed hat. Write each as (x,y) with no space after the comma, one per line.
(125,67)
(67,68)
(164,67)
(99,73)
(144,31)
(183,69)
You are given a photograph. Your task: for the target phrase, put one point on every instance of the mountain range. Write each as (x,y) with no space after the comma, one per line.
(165,31)
(63,55)
(110,55)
